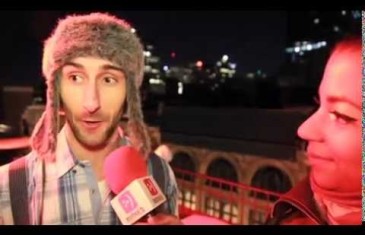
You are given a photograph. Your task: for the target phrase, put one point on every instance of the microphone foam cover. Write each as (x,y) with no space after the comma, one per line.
(122,166)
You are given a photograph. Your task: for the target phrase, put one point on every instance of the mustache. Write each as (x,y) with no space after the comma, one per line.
(100,115)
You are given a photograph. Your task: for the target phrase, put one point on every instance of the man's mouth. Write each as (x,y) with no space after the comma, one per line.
(91,124)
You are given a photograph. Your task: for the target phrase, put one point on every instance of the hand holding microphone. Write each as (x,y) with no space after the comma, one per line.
(137,193)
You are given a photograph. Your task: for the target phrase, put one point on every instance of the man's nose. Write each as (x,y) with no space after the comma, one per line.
(91,98)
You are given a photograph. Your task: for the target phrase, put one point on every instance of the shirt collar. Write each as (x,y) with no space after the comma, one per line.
(65,159)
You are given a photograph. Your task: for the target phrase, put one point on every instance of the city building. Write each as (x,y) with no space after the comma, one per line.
(223,157)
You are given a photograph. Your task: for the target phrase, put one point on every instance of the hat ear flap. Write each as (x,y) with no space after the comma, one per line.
(135,126)
(44,135)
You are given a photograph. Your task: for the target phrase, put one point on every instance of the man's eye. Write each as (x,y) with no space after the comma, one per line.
(76,78)
(110,80)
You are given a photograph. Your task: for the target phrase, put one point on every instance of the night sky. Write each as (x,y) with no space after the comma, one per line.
(252,39)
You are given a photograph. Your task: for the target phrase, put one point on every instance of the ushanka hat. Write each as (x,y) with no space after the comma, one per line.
(98,35)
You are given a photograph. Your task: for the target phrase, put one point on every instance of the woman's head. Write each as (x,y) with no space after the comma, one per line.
(333,132)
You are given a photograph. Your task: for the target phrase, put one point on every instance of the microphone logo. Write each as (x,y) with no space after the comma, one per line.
(128,202)
(150,186)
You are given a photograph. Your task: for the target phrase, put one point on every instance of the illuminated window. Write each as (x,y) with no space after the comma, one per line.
(230,213)
(221,210)
(257,217)
(187,198)
(221,204)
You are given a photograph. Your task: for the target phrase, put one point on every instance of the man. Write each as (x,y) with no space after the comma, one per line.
(93,66)
(332,192)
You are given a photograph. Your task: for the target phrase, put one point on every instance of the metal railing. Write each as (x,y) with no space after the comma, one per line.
(233,202)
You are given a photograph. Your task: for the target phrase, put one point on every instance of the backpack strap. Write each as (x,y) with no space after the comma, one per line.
(158,171)
(19,191)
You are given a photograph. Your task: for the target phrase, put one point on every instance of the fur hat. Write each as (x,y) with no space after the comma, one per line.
(103,36)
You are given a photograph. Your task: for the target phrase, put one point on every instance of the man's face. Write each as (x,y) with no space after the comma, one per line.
(93,92)
(334,131)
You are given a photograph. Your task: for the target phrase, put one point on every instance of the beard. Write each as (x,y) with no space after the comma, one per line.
(96,140)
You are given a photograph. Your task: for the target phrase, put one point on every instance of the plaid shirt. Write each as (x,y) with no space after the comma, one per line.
(71,192)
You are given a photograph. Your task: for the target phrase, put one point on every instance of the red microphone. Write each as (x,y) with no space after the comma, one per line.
(138,194)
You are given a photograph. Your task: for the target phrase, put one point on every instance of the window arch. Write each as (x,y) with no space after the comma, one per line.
(272,179)
(187,194)
(184,161)
(220,203)
(221,168)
